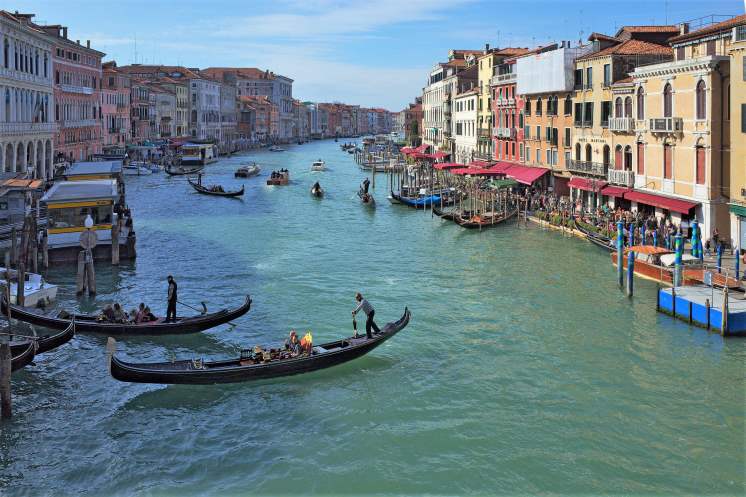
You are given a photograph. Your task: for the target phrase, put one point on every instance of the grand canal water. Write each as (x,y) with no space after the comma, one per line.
(524,369)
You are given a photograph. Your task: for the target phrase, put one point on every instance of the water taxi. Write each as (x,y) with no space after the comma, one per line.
(318,165)
(198,154)
(36,291)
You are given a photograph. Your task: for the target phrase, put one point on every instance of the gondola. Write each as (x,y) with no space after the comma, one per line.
(478,222)
(183,171)
(449,215)
(207,191)
(243,368)
(317,192)
(367,199)
(595,238)
(85,323)
(44,343)
(23,358)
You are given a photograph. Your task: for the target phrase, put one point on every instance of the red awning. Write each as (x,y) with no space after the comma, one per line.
(421,149)
(589,185)
(447,165)
(440,155)
(479,163)
(668,203)
(476,171)
(406,150)
(526,175)
(502,167)
(615,191)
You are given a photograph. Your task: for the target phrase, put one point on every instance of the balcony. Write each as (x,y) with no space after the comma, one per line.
(484,133)
(666,125)
(621,177)
(586,167)
(78,123)
(83,90)
(23,128)
(501,79)
(508,133)
(622,124)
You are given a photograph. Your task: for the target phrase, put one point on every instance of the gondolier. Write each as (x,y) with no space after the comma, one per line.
(369,312)
(172,297)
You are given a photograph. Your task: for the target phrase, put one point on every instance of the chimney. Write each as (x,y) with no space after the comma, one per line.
(64,32)
(683,28)
(77,41)
(88,43)
(486,48)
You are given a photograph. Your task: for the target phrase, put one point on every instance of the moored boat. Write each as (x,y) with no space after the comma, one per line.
(656,263)
(23,358)
(36,291)
(276,148)
(85,323)
(136,169)
(595,238)
(182,170)
(44,343)
(248,366)
(484,219)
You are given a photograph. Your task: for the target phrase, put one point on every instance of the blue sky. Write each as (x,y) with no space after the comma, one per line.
(373,53)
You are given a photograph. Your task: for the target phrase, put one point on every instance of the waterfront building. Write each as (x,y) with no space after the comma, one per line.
(77,96)
(612,59)
(163,106)
(413,123)
(228,138)
(507,106)
(465,125)
(180,89)
(250,81)
(436,95)
(398,120)
(115,106)
(737,117)
(683,135)
(26,98)
(246,120)
(140,107)
(266,118)
(485,115)
(300,121)
(544,85)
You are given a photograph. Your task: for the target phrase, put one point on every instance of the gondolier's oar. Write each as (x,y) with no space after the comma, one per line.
(354,325)
(203,311)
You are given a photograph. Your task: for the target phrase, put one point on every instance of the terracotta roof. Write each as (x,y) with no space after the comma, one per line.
(631,47)
(648,29)
(601,36)
(240,72)
(714,28)
(154,70)
(512,51)
(622,82)
(455,63)
(467,52)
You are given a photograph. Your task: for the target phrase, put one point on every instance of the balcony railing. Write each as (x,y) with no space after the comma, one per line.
(622,124)
(484,132)
(509,133)
(666,125)
(23,128)
(78,123)
(621,177)
(594,168)
(501,79)
(85,90)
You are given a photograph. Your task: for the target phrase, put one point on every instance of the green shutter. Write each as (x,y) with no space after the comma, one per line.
(738,210)
(743,118)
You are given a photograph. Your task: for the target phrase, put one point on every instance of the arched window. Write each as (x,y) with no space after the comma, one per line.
(667,161)
(618,157)
(568,105)
(6,54)
(528,107)
(538,106)
(700,161)
(577,151)
(701,100)
(618,112)
(628,158)
(588,153)
(628,107)
(640,158)
(640,104)
(667,100)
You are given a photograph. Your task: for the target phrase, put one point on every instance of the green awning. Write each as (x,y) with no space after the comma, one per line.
(738,210)
(502,183)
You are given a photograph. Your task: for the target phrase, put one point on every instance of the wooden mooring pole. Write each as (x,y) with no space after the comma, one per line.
(6,405)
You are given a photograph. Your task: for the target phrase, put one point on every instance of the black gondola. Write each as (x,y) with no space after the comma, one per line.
(44,343)
(449,215)
(317,192)
(183,171)
(207,191)
(366,199)
(23,358)
(474,223)
(198,372)
(595,238)
(85,323)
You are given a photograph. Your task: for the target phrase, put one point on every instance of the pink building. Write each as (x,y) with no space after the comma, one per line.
(115,106)
(77,96)
(140,115)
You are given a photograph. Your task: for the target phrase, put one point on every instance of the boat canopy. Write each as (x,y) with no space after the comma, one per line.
(648,249)
(670,259)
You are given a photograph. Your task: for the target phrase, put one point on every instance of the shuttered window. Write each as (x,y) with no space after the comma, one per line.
(640,158)
(667,166)
(618,159)
(743,118)
(701,97)
(700,165)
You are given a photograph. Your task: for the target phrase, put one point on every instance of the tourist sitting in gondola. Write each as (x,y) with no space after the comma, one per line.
(292,344)
(148,317)
(107,315)
(119,315)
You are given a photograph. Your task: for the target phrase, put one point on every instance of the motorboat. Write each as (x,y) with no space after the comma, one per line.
(248,170)
(136,169)
(319,165)
(36,291)
(276,148)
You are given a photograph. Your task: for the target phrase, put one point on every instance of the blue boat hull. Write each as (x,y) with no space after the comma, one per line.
(418,202)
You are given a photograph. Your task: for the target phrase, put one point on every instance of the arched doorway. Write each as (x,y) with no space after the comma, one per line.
(618,159)
(607,155)
(588,153)
(628,158)
(29,157)
(48,163)
(39,163)
(8,163)
(20,164)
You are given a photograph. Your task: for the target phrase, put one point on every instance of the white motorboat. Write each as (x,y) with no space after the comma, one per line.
(319,165)
(136,169)
(275,148)
(36,291)
(247,171)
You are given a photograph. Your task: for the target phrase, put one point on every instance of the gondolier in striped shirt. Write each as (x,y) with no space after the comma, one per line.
(369,312)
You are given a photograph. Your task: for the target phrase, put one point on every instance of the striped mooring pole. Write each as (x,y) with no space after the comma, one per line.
(679,246)
(620,252)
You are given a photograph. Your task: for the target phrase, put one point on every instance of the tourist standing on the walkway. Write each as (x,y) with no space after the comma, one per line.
(172,297)
(369,312)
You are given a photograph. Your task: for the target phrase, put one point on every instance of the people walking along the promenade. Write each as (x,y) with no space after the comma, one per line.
(172,297)
(369,311)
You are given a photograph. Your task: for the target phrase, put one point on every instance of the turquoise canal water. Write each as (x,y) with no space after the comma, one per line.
(524,369)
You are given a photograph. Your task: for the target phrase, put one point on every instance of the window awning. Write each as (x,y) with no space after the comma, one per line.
(668,203)
(526,175)
(615,191)
(587,184)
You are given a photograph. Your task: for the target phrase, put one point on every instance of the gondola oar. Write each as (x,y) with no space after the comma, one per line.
(354,325)
(203,311)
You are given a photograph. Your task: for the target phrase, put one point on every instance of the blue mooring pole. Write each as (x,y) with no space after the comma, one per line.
(695,244)
(738,263)
(630,273)
(642,234)
(720,258)
(631,235)
(620,252)
(655,238)
(679,245)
